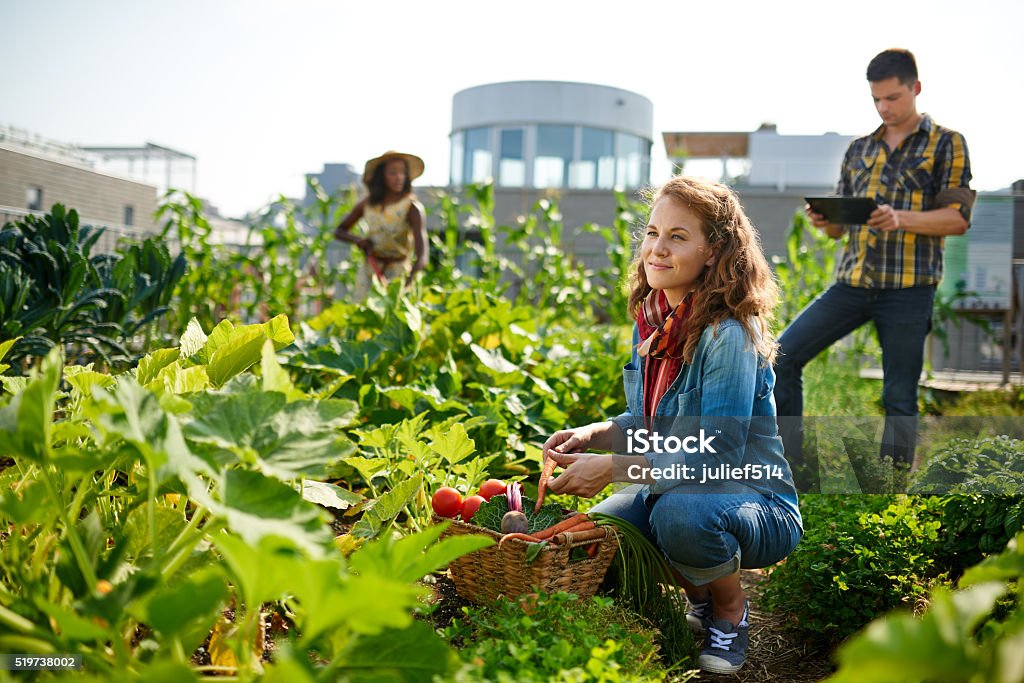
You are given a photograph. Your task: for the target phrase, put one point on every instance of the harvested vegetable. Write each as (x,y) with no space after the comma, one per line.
(447,502)
(470,506)
(491,488)
(564,525)
(522,537)
(514,496)
(545,475)
(592,534)
(490,513)
(514,522)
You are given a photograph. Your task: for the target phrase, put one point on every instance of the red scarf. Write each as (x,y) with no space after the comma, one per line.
(663,334)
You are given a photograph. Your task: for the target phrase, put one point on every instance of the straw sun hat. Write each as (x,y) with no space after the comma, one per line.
(413,162)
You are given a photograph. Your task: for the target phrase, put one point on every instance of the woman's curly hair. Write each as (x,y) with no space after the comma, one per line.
(740,284)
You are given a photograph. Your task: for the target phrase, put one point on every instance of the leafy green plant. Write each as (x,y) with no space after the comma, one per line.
(977,525)
(955,640)
(55,293)
(992,465)
(860,556)
(555,637)
(620,237)
(135,515)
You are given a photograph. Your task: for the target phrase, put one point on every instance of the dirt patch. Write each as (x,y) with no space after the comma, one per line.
(774,655)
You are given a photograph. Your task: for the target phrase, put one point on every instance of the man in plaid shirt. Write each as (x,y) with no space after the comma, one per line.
(919,175)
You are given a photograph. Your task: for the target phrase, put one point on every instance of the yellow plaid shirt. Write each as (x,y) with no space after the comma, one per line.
(928,170)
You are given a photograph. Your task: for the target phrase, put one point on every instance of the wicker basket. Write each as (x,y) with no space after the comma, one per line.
(487,574)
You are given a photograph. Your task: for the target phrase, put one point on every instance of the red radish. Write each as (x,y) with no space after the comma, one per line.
(470,506)
(447,502)
(491,488)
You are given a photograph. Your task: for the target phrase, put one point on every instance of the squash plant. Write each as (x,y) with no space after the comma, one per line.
(136,507)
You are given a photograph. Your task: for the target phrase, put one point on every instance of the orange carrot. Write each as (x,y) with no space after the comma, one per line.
(521,537)
(575,535)
(592,550)
(582,525)
(542,486)
(565,524)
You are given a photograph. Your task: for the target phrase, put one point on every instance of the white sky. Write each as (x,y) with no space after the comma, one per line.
(263,92)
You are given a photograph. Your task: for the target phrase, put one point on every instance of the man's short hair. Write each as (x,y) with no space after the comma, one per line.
(893,62)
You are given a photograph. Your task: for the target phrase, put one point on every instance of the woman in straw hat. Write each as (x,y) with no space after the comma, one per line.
(393,227)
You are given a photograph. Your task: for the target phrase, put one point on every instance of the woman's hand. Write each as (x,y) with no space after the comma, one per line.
(576,440)
(586,474)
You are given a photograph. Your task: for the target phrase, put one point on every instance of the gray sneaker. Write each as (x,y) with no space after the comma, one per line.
(698,615)
(726,646)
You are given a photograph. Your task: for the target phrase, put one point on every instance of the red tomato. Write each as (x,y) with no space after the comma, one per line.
(470,506)
(447,502)
(491,488)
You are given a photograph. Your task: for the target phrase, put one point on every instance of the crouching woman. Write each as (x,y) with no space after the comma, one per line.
(700,440)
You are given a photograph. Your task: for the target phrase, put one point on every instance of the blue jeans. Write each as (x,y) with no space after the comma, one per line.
(902,318)
(708,532)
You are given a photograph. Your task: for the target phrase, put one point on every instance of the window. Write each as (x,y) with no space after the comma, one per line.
(457,157)
(129,215)
(633,162)
(34,198)
(477,161)
(554,156)
(596,167)
(511,166)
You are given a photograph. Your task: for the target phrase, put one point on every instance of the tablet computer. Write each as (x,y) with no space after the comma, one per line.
(843,210)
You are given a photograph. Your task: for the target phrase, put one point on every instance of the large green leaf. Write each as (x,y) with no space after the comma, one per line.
(187,609)
(938,646)
(174,379)
(153,363)
(453,444)
(278,331)
(27,421)
(275,377)
(329,495)
(412,557)
(134,414)
(265,569)
(387,508)
(367,603)
(236,355)
(284,439)
(191,342)
(256,506)
(5,347)
(409,397)
(219,336)
(83,379)
(494,361)
(1006,566)
(410,655)
(244,348)
(169,523)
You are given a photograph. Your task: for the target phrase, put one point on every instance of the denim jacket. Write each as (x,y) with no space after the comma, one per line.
(727,392)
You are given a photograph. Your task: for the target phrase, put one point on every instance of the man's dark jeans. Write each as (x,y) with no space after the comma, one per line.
(902,319)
